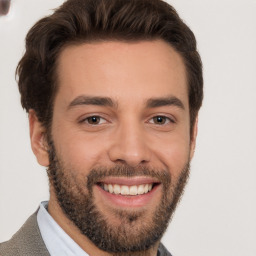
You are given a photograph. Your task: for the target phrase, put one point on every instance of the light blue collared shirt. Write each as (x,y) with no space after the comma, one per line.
(56,240)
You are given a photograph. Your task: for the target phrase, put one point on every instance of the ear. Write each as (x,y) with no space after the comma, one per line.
(38,139)
(193,138)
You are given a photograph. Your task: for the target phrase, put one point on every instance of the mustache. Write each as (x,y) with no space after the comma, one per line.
(97,174)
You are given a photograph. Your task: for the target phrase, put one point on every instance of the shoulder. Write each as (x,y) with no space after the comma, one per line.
(162,251)
(27,241)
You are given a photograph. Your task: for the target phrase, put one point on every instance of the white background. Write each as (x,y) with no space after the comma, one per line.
(217,214)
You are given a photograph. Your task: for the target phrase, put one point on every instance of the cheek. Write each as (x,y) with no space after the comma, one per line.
(77,151)
(174,153)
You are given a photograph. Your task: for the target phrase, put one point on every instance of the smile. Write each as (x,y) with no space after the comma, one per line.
(123,192)
(127,190)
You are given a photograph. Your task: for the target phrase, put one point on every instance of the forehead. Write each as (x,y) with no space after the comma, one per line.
(122,71)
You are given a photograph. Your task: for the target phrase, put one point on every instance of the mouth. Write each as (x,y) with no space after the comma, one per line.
(133,192)
(125,190)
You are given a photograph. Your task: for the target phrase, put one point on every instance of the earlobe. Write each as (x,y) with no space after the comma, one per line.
(193,138)
(38,139)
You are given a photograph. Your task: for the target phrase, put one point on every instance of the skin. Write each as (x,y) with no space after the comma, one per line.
(130,74)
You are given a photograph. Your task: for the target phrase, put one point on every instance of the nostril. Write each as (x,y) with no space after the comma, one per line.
(119,161)
(4,7)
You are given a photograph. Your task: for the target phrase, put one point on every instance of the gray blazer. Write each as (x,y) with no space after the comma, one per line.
(26,242)
(29,242)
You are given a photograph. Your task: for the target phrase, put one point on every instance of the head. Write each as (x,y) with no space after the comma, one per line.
(113,89)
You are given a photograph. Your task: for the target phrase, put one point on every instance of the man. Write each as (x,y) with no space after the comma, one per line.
(113,89)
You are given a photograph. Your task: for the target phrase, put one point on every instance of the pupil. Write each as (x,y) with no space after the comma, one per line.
(159,119)
(93,120)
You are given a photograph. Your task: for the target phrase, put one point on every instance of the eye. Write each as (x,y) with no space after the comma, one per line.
(94,120)
(160,120)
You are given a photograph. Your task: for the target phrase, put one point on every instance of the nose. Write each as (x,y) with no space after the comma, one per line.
(129,146)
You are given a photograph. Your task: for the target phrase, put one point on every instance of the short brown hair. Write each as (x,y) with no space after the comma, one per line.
(79,21)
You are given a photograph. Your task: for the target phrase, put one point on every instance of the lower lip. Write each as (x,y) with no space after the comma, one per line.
(129,201)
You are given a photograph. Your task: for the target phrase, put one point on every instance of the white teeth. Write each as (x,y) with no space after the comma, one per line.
(110,189)
(141,189)
(133,190)
(128,190)
(117,189)
(105,187)
(146,188)
(125,190)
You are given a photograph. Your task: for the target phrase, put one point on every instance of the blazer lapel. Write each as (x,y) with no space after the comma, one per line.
(27,241)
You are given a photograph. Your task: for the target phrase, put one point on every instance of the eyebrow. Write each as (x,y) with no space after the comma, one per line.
(88,100)
(166,101)
(106,101)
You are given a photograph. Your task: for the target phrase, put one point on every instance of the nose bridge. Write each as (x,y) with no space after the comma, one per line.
(130,144)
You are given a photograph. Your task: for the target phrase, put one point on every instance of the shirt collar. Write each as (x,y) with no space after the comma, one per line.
(56,240)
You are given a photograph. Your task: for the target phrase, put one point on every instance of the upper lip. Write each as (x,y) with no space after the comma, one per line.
(129,181)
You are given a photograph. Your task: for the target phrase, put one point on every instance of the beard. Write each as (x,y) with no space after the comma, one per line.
(137,230)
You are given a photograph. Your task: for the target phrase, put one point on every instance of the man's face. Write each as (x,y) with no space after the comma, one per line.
(120,140)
